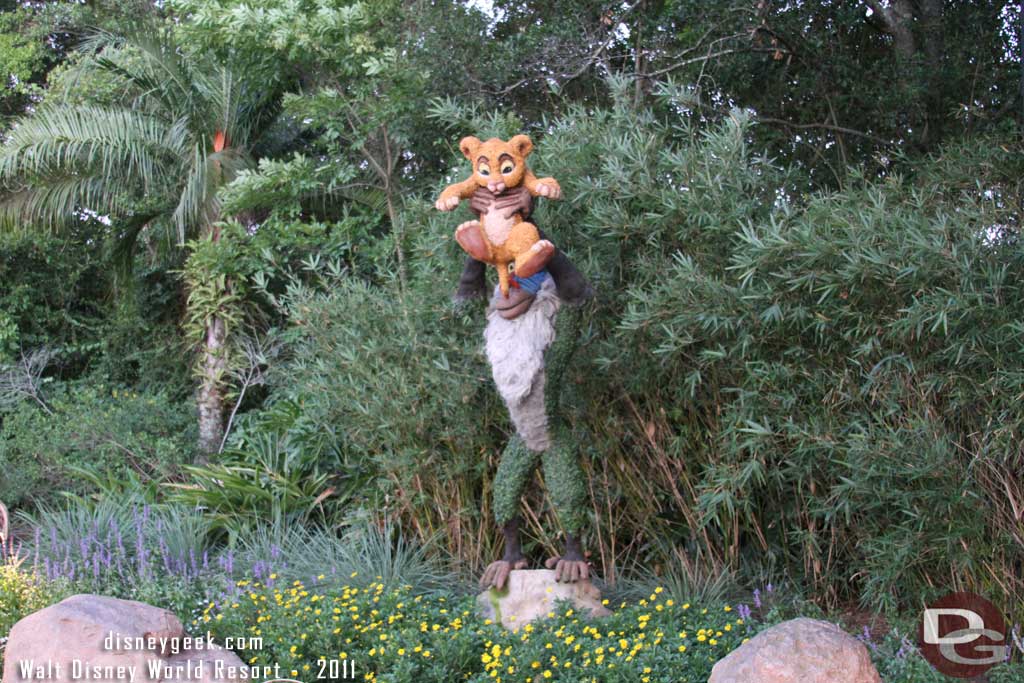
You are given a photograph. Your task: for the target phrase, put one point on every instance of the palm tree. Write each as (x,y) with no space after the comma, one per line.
(153,166)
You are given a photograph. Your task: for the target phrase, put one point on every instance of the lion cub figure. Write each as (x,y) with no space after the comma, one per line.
(501,237)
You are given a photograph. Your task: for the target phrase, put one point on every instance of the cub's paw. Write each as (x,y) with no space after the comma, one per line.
(446,203)
(549,187)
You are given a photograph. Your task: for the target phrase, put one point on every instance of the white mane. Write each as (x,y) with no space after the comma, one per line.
(515,349)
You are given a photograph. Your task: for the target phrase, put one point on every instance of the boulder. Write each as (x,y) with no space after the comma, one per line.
(106,640)
(532,594)
(798,651)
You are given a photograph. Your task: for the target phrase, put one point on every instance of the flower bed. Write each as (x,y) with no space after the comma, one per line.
(392,635)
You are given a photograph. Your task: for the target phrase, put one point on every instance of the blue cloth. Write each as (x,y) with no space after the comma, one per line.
(533,283)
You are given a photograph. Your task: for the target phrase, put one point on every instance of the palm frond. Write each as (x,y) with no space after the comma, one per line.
(158,151)
(96,142)
(163,78)
(57,201)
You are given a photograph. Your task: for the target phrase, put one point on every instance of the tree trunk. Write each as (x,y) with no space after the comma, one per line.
(934,49)
(210,400)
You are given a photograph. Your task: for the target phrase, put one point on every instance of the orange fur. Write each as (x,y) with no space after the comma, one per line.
(497,239)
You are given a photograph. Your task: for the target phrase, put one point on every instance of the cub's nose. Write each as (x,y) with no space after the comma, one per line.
(497,187)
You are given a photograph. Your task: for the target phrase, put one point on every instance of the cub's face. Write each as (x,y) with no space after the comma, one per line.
(497,164)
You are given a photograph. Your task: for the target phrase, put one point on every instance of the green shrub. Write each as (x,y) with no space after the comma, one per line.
(899,661)
(94,426)
(282,469)
(22,591)
(52,294)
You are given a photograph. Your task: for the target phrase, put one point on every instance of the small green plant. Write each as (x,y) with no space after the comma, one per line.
(22,591)
(368,550)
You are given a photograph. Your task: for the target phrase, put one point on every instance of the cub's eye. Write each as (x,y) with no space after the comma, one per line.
(484,169)
(507,167)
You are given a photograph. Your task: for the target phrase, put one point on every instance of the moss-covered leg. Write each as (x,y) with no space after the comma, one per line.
(514,472)
(564,480)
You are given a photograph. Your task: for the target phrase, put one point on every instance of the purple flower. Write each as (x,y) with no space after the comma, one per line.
(757,598)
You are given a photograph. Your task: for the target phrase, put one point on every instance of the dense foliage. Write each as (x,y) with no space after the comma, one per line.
(804,361)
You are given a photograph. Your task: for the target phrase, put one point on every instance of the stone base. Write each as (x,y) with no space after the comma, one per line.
(532,593)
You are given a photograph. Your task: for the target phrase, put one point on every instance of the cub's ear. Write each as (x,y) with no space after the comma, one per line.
(469,145)
(522,145)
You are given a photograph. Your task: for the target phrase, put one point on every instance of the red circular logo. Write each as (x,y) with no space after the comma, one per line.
(963,635)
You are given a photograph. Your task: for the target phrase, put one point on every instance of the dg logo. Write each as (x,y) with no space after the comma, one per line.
(963,635)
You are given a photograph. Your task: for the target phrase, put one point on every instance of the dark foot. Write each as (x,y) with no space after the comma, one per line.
(533,261)
(571,566)
(470,237)
(496,574)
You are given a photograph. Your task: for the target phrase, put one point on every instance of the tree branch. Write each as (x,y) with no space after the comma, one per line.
(823,126)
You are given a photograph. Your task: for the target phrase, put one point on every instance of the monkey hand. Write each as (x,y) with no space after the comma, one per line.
(497,573)
(569,570)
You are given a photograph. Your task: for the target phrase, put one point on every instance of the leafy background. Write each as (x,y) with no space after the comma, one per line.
(802,369)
